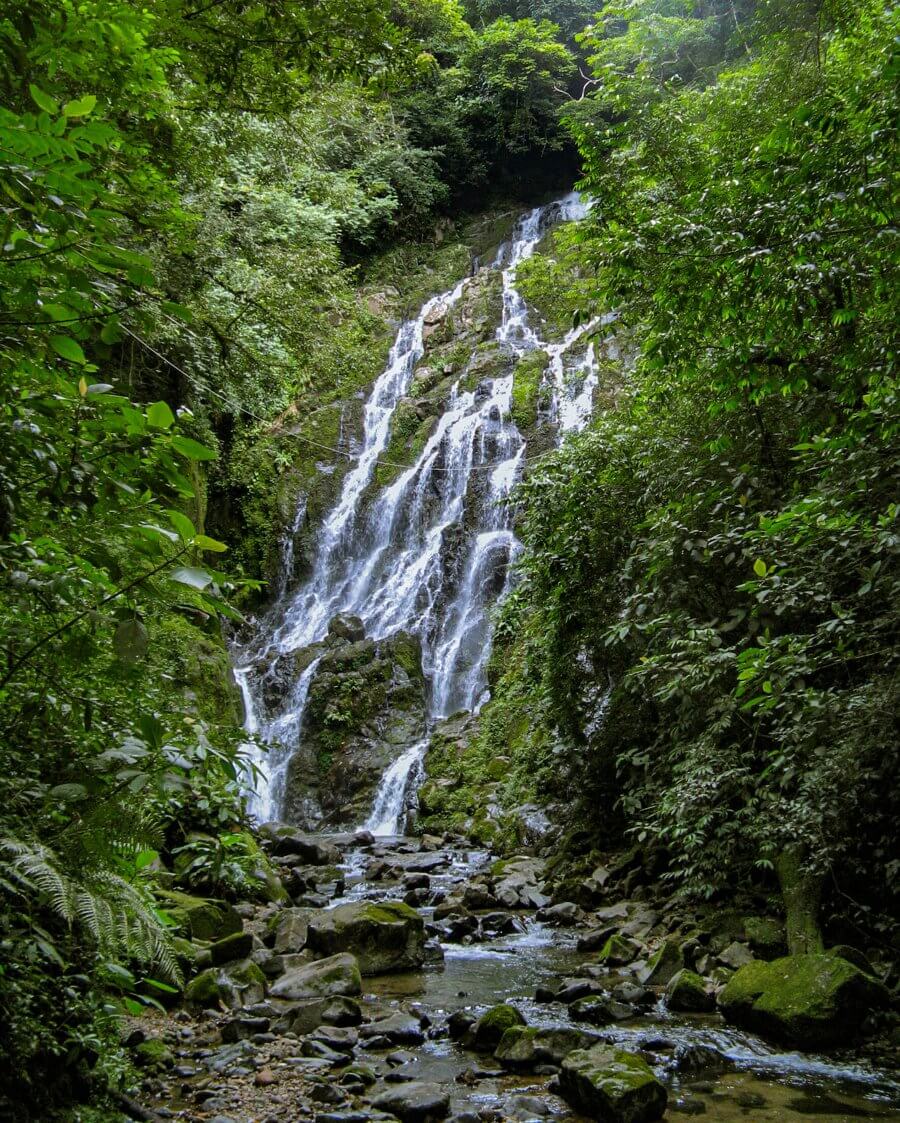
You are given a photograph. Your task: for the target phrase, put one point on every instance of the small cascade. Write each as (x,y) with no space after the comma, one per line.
(431,553)
(396,792)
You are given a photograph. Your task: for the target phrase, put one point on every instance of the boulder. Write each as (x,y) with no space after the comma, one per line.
(239,984)
(619,951)
(415,1102)
(523,1048)
(200,918)
(288,931)
(396,1029)
(347,627)
(337,975)
(600,1010)
(239,945)
(384,936)
(736,955)
(307,849)
(666,962)
(765,936)
(687,993)
(809,1001)
(492,1025)
(612,1085)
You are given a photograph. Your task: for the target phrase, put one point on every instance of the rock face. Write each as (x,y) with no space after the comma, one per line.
(612,1085)
(384,937)
(337,975)
(366,706)
(804,1000)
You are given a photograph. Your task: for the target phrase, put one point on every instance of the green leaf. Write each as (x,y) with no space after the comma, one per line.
(192,449)
(69,793)
(67,348)
(145,858)
(193,578)
(760,568)
(183,525)
(160,416)
(178,311)
(83,107)
(130,641)
(44,100)
(211,544)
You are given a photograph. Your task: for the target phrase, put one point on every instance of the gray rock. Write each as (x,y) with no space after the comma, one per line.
(523,1049)
(384,936)
(736,955)
(396,1029)
(415,1102)
(565,914)
(347,627)
(337,975)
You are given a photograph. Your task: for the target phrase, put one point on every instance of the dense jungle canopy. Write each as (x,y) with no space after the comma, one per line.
(214,214)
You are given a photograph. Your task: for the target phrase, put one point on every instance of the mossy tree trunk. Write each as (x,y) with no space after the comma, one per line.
(801,890)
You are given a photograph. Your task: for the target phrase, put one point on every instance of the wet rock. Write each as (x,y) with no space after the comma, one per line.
(459,1023)
(700,1059)
(600,1010)
(595,938)
(805,1000)
(239,945)
(633,994)
(342,1011)
(565,914)
(618,951)
(342,1039)
(242,1029)
(200,918)
(153,1054)
(239,984)
(288,930)
(765,936)
(572,990)
(385,936)
(525,1048)
(687,993)
(311,851)
(736,955)
(491,1026)
(347,627)
(396,1029)
(337,975)
(666,962)
(415,1102)
(613,1085)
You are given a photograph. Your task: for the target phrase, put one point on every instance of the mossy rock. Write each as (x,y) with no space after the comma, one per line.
(687,993)
(808,1001)
(618,951)
(201,918)
(664,964)
(526,392)
(236,946)
(153,1054)
(491,1026)
(765,936)
(337,975)
(612,1084)
(385,936)
(523,1048)
(240,984)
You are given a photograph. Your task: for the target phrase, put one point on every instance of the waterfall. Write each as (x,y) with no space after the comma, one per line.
(389,559)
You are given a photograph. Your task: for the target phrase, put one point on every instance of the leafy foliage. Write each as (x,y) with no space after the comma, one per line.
(709,590)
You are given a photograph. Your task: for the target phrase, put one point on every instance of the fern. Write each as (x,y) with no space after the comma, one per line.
(115,915)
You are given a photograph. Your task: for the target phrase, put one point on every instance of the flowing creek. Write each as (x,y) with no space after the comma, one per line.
(383,560)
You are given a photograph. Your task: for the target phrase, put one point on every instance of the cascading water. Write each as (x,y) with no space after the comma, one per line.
(400,562)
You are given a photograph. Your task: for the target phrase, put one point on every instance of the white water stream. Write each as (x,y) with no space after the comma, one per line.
(431,554)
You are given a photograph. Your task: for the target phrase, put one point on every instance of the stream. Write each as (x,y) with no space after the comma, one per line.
(385,561)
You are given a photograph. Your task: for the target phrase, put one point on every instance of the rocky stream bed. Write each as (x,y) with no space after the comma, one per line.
(419,979)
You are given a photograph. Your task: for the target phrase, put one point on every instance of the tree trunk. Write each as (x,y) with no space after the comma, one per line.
(802,894)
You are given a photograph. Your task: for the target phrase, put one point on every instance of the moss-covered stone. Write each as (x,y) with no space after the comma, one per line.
(153,1054)
(664,964)
(337,975)
(236,946)
(385,936)
(492,1025)
(239,984)
(523,1048)
(687,993)
(804,1000)
(611,1084)
(526,392)
(618,951)
(200,918)
(765,936)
